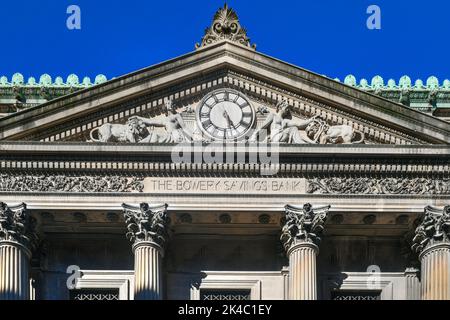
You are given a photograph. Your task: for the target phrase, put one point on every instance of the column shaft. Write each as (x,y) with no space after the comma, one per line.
(302,269)
(14,271)
(413,288)
(148,271)
(436,272)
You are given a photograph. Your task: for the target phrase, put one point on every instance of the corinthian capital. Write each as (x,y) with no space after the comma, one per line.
(434,229)
(146,224)
(16,225)
(303,225)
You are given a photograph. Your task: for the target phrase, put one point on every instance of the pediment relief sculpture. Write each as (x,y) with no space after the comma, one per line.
(284,129)
(227,115)
(142,130)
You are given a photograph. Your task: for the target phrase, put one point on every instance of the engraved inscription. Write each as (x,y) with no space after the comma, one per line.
(217,186)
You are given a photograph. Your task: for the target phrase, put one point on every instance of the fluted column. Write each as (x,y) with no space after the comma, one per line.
(147,230)
(16,239)
(412,284)
(301,238)
(432,242)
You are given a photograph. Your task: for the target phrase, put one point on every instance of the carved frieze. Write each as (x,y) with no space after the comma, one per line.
(79,184)
(146,223)
(303,225)
(434,229)
(379,186)
(17,225)
(140,184)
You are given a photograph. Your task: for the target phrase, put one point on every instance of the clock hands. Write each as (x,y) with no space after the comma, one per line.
(227,117)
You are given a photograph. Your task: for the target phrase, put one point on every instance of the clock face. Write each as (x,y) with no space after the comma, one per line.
(225,115)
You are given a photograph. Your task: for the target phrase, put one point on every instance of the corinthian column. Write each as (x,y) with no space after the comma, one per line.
(16,238)
(147,230)
(301,239)
(432,242)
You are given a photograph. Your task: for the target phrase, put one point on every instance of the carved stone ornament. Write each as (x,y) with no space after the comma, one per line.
(434,229)
(225,26)
(282,128)
(303,225)
(396,186)
(142,130)
(147,224)
(16,225)
(79,184)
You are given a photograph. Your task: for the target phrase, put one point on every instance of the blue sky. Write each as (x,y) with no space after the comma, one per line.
(326,36)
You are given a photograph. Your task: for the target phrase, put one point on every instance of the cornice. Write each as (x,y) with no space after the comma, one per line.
(29,148)
(113,161)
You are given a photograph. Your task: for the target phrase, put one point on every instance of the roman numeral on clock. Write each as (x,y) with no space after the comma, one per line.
(207,124)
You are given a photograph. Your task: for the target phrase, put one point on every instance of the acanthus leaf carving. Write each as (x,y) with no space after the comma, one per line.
(79,184)
(377,186)
(434,229)
(303,225)
(225,26)
(146,223)
(17,225)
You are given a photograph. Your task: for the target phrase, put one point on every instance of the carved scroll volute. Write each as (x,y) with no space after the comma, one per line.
(17,225)
(226,26)
(303,225)
(147,224)
(434,229)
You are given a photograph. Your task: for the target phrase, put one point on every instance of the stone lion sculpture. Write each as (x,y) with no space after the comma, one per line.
(129,132)
(320,131)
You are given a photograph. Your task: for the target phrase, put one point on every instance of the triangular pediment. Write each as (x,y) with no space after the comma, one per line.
(187,80)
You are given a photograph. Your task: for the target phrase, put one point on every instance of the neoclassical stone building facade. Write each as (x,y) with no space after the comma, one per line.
(224,174)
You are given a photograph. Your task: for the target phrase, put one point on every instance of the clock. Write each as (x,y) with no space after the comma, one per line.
(225,114)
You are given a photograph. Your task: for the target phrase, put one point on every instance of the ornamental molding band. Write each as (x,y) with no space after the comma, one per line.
(71,184)
(377,186)
(226,26)
(147,224)
(81,183)
(434,229)
(22,94)
(17,225)
(303,225)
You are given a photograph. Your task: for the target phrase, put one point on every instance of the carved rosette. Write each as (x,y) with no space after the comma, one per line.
(303,225)
(147,224)
(225,26)
(434,229)
(17,226)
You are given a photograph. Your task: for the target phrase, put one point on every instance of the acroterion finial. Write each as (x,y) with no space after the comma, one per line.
(225,26)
